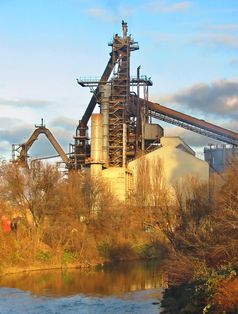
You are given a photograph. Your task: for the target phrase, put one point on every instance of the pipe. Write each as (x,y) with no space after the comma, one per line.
(124,145)
(96,145)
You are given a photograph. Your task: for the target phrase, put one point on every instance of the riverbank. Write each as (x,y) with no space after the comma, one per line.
(216,294)
(17,270)
(46,259)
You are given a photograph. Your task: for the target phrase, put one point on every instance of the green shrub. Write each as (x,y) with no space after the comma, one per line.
(68,257)
(43,256)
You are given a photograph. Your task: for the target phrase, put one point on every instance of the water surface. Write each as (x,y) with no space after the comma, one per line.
(133,287)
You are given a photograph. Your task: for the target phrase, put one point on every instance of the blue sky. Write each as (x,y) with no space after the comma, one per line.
(188,48)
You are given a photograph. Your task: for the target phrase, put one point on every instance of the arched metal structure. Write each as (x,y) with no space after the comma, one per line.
(40,129)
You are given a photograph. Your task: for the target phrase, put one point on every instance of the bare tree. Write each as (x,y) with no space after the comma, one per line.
(34,189)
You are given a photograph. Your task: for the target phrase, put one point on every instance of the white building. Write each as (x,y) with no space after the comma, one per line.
(176,159)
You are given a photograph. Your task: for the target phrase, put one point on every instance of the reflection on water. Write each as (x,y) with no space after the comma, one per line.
(125,281)
(111,280)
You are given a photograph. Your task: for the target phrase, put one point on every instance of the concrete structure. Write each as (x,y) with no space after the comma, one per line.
(153,131)
(119,181)
(105,91)
(178,162)
(96,145)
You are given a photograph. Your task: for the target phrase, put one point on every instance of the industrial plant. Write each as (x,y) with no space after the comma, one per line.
(124,133)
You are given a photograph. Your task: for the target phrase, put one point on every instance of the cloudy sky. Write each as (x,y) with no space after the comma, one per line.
(188,48)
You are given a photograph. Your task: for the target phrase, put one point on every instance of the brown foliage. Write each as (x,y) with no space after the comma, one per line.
(226,295)
(201,228)
(34,188)
(205,236)
(180,268)
(74,219)
(60,208)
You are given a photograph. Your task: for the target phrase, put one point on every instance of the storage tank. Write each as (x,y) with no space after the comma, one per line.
(219,157)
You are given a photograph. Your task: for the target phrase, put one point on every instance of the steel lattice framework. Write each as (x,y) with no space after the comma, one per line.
(191,123)
(128,113)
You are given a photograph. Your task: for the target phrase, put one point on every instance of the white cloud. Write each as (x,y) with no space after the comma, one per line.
(65,123)
(16,135)
(164,6)
(24,102)
(220,98)
(215,40)
(191,138)
(7,122)
(3,147)
(102,14)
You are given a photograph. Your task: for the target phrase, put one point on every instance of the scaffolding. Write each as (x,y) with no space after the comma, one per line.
(122,119)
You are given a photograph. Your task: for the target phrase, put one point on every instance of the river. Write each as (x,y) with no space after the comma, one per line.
(130,287)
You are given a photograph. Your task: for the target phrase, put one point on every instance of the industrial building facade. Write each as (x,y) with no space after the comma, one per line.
(123,133)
